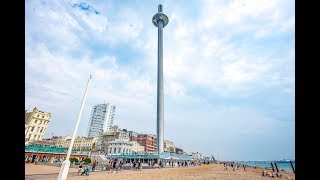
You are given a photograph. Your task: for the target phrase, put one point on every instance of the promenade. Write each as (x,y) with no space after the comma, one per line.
(212,171)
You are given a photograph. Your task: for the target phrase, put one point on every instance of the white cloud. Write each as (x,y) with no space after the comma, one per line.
(196,52)
(63,80)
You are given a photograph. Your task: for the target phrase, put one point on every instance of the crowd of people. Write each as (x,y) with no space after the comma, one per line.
(233,166)
(113,164)
(273,174)
(116,165)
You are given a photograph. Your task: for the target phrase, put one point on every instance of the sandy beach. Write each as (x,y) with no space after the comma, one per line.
(212,171)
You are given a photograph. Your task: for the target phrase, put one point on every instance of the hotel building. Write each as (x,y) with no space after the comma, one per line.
(36,123)
(80,143)
(101,120)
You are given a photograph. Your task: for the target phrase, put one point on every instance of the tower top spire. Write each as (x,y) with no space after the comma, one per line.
(160,8)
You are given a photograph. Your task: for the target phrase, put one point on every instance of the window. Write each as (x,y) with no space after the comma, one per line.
(35,137)
(35,121)
(38,129)
(110,150)
(42,116)
(32,128)
(38,115)
(115,150)
(119,150)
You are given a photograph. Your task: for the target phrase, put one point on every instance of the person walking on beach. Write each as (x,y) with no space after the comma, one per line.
(80,167)
(114,167)
(244,167)
(94,165)
(110,165)
(131,165)
(120,165)
(134,165)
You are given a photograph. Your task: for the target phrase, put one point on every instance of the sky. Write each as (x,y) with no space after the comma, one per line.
(229,71)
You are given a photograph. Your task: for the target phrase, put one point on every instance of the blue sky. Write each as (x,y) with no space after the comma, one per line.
(229,71)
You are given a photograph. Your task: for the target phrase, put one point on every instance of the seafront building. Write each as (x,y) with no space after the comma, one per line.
(148,141)
(43,142)
(115,134)
(179,151)
(36,123)
(118,146)
(169,146)
(133,136)
(80,143)
(97,120)
(47,153)
(101,120)
(109,118)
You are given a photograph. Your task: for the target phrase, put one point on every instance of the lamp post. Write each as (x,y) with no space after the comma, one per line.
(160,20)
(66,163)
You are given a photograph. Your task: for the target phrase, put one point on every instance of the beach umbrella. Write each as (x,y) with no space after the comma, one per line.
(272,167)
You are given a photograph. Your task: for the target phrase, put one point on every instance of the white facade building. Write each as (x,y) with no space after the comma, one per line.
(136,147)
(36,123)
(102,116)
(97,120)
(101,120)
(124,147)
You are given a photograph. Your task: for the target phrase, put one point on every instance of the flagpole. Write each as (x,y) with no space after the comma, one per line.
(66,163)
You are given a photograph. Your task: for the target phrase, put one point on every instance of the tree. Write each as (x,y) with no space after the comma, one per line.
(73,160)
(87,160)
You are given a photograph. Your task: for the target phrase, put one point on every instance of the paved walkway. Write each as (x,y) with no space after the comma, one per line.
(43,172)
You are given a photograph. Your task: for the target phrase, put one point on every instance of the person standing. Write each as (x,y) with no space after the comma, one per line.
(114,167)
(139,165)
(80,167)
(94,165)
(110,165)
(120,165)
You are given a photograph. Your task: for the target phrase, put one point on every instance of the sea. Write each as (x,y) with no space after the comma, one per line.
(282,165)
